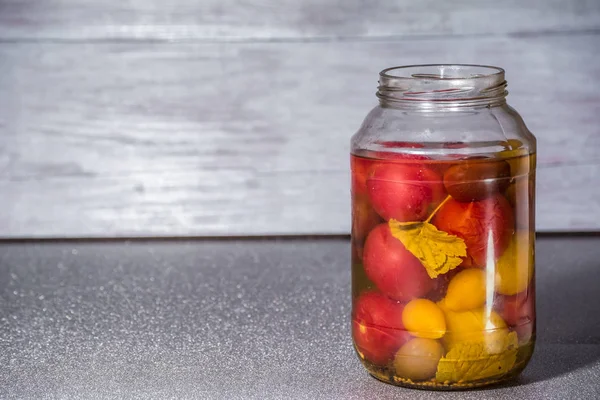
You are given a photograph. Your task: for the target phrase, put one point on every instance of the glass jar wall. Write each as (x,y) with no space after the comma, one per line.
(443,231)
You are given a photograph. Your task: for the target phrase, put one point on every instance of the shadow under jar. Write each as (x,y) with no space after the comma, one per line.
(443,230)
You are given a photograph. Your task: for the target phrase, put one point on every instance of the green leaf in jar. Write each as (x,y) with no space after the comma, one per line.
(472,361)
(438,251)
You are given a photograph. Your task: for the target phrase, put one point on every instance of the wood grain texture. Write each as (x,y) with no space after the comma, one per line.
(252,138)
(286,19)
(229,202)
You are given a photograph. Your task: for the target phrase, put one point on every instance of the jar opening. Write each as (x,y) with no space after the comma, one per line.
(443,71)
(442,86)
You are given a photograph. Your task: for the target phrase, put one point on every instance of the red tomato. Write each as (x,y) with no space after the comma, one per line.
(395,270)
(477,223)
(364,219)
(519,312)
(437,186)
(400,191)
(360,168)
(377,327)
(440,285)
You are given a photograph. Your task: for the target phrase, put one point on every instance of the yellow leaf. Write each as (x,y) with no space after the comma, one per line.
(438,251)
(471,361)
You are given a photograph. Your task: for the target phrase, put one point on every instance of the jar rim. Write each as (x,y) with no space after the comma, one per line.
(442,68)
(437,86)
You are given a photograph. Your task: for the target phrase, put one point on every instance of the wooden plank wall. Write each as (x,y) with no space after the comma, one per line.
(146,118)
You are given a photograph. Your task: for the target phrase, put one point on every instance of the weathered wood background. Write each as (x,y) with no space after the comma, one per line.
(223,117)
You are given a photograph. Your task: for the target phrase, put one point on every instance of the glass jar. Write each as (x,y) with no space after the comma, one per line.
(443,234)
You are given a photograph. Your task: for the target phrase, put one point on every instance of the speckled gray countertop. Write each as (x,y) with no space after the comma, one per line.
(244,319)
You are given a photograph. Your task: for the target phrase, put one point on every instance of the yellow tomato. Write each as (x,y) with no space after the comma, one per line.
(514,269)
(424,319)
(475,326)
(466,291)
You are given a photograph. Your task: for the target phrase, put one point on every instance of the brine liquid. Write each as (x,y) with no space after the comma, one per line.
(443,268)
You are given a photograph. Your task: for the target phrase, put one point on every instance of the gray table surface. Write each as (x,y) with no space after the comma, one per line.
(244,319)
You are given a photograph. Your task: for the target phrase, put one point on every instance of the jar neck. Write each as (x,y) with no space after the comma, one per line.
(442,87)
